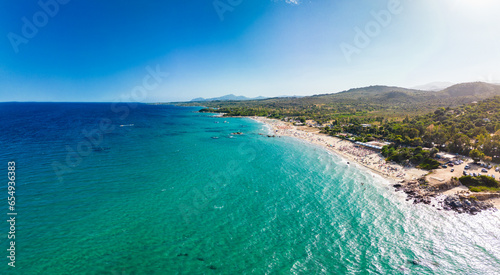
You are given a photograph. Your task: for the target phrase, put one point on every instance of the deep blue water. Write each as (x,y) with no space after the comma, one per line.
(148,189)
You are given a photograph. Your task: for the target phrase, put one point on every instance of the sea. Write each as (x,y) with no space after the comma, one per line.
(128,188)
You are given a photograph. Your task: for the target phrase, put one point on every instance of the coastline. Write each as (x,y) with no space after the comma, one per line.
(345,149)
(366,158)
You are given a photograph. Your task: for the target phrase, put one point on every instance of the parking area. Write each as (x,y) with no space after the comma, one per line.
(443,174)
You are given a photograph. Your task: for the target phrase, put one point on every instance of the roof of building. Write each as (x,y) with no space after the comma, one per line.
(369,145)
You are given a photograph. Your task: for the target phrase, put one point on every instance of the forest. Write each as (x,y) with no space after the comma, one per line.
(471,127)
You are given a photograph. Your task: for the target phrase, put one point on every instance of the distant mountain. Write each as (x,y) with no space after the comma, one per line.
(227,98)
(434,86)
(379,95)
(381,99)
(385,95)
(473,91)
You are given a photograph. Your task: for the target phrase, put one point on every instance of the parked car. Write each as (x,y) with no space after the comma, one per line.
(452,170)
(493,176)
(474,174)
(484,170)
(497,169)
(444,166)
(451,165)
(465,173)
(489,166)
(467,167)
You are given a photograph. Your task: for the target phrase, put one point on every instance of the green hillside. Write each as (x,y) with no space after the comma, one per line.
(368,102)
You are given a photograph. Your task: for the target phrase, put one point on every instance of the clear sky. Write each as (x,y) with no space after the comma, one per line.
(95,50)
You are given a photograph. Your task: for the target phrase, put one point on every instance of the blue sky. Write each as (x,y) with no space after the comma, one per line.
(106,50)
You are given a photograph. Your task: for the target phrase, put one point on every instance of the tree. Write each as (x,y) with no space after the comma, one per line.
(459,142)
(476,155)
(417,141)
(433,152)
(413,133)
(487,159)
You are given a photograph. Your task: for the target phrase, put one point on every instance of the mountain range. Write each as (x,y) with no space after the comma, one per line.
(464,93)
(386,99)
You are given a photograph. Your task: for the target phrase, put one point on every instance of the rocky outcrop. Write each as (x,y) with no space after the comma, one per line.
(464,204)
(415,190)
(420,192)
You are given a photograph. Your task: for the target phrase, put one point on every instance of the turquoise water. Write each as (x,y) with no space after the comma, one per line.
(160,195)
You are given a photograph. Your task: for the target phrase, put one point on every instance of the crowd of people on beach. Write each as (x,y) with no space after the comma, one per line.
(365,156)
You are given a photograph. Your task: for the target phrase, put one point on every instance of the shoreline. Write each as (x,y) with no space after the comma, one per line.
(348,151)
(396,174)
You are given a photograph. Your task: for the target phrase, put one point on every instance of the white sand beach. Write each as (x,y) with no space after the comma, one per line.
(366,157)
